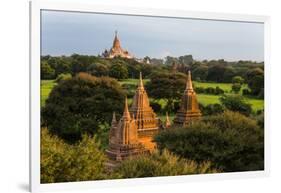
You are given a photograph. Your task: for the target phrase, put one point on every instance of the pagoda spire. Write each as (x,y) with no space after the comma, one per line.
(189,86)
(113,118)
(140,86)
(189,109)
(126,113)
(167,121)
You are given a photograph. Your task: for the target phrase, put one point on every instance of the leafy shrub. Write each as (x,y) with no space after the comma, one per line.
(209,90)
(231,141)
(236,87)
(61,162)
(236,103)
(161,164)
(212,109)
(63,77)
(156,107)
(246,92)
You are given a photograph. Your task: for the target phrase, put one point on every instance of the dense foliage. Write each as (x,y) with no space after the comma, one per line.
(168,86)
(236,103)
(161,164)
(82,104)
(207,71)
(61,162)
(231,141)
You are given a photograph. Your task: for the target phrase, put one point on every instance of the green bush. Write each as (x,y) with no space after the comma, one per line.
(63,77)
(156,107)
(81,105)
(212,109)
(236,103)
(231,141)
(161,164)
(61,162)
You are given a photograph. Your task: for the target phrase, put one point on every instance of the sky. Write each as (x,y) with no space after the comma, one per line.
(65,33)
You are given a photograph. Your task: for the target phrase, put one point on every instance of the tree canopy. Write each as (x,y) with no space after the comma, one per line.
(61,162)
(231,141)
(82,104)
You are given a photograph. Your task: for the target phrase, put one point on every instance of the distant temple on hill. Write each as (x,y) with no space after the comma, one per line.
(133,133)
(189,109)
(116,50)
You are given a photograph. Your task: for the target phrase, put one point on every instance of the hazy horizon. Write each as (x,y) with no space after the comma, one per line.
(66,33)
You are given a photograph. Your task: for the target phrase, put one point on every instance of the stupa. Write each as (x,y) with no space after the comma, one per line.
(123,137)
(167,122)
(117,50)
(189,109)
(147,123)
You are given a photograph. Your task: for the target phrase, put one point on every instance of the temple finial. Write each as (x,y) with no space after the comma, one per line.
(167,121)
(189,82)
(140,81)
(126,113)
(113,118)
(116,33)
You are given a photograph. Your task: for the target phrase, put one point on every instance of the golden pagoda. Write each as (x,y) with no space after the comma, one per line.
(117,50)
(147,122)
(123,137)
(189,108)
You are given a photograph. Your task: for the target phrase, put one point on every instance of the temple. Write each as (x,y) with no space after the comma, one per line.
(189,108)
(147,122)
(123,137)
(116,50)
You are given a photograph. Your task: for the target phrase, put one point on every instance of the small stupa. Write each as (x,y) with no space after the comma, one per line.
(189,109)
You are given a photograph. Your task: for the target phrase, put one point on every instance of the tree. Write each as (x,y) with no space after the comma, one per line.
(212,109)
(236,87)
(238,80)
(166,86)
(161,164)
(98,69)
(255,80)
(231,141)
(118,71)
(63,77)
(82,104)
(236,103)
(200,73)
(47,72)
(216,73)
(61,162)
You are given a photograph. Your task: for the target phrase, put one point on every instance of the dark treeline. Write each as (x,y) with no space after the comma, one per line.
(219,71)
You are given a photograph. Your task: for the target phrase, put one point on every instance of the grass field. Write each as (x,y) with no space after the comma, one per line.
(224,86)
(46,88)
(47,85)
